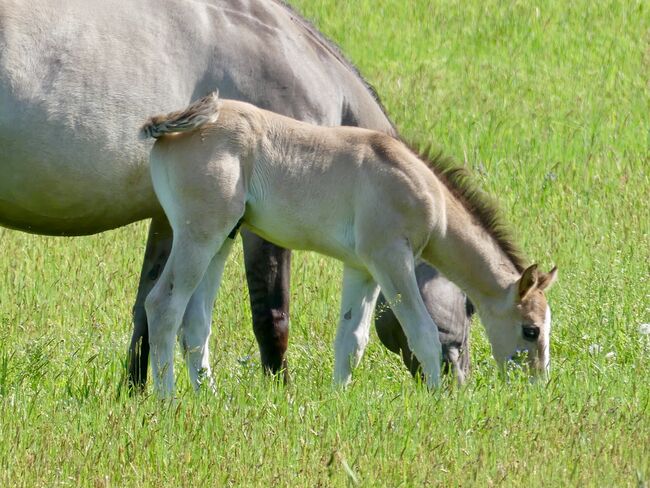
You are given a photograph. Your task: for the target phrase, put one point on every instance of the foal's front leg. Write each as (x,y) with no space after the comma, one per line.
(357,303)
(195,330)
(394,269)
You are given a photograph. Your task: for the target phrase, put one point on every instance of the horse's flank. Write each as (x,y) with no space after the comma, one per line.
(71,98)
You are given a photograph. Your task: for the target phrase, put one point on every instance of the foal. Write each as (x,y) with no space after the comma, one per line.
(356,195)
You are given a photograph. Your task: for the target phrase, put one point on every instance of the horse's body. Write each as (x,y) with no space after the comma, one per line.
(359,196)
(78,76)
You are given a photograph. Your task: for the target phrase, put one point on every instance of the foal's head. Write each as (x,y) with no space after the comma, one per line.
(524,324)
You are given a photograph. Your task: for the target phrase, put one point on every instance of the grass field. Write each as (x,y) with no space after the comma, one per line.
(550,105)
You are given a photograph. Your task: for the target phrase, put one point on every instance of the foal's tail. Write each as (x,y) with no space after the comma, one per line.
(204,111)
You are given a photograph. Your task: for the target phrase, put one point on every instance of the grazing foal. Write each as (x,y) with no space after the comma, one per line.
(357,195)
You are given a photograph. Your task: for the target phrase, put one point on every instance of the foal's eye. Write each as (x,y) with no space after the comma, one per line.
(531,332)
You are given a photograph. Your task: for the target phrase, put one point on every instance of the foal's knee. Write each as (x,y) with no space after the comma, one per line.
(425,344)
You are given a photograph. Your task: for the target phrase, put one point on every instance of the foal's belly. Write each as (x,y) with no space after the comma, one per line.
(327,234)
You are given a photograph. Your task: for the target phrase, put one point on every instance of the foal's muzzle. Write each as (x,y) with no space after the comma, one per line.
(527,359)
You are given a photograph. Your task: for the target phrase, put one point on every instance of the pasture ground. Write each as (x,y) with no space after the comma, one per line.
(549,105)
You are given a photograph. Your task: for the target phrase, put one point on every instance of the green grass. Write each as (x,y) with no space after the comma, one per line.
(550,105)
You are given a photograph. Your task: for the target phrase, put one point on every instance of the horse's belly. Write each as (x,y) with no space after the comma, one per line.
(70,191)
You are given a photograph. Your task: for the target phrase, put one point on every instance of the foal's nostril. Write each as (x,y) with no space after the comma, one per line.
(519,357)
(531,333)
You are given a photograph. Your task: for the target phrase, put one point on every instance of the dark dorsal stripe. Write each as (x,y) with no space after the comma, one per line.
(485,211)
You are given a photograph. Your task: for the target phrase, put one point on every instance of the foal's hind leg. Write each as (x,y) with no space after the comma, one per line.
(195,330)
(167,302)
(357,303)
(394,269)
(159,244)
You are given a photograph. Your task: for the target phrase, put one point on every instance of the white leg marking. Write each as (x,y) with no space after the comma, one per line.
(357,304)
(454,357)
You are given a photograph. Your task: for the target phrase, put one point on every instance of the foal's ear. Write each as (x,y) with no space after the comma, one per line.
(546,280)
(528,281)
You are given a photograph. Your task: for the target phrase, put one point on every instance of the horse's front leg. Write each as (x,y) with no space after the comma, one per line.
(357,303)
(267,272)
(159,244)
(195,331)
(450,310)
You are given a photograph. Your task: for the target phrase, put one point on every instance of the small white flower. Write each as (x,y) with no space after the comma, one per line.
(595,348)
(644,329)
(610,355)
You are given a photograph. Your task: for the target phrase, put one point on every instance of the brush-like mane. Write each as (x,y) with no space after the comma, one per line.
(482,207)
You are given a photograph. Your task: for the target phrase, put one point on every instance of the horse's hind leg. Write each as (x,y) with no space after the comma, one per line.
(357,303)
(159,244)
(195,330)
(394,269)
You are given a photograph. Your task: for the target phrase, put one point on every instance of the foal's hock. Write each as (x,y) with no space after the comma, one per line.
(353,194)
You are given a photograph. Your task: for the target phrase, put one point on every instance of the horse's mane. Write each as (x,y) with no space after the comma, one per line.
(482,207)
(334,49)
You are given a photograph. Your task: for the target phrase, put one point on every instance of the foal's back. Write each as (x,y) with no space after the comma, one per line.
(302,186)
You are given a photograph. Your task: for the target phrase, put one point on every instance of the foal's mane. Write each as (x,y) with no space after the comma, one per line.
(479,204)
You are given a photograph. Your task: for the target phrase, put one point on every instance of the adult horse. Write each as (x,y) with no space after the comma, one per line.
(77,77)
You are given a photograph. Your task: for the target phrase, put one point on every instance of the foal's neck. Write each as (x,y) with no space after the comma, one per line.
(470,256)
